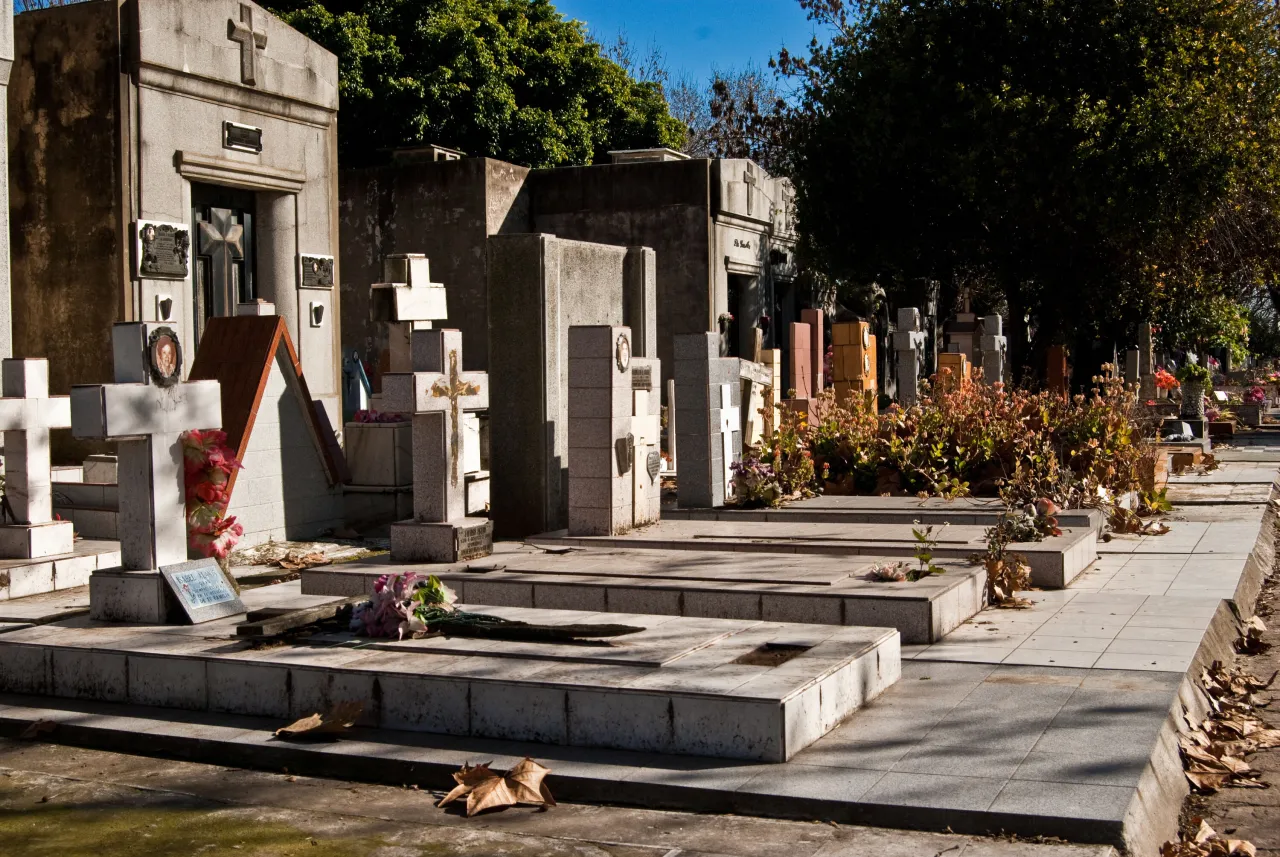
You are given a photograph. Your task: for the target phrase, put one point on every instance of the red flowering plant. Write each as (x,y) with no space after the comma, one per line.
(207,467)
(1254,396)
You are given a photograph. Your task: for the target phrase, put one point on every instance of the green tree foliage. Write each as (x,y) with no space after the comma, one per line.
(1096,162)
(511,79)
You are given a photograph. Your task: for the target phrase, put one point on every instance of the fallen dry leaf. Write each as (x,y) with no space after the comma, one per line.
(486,789)
(1206,842)
(298,561)
(1250,642)
(340,718)
(38,728)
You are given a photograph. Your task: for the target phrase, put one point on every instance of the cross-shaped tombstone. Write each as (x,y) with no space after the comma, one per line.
(438,393)
(994,346)
(749,178)
(730,422)
(406,302)
(250,39)
(27,413)
(146,411)
(909,342)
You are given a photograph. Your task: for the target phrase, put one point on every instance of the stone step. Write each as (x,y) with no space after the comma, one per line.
(768,587)
(730,689)
(22,577)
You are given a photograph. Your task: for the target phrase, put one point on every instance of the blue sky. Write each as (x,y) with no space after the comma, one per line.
(698,35)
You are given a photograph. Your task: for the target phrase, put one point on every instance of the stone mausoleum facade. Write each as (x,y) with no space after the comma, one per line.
(722,232)
(171,161)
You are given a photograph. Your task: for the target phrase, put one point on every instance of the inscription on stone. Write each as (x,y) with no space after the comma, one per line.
(242,138)
(654,464)
(317,272)
(202,590)
(625,450)
(163,249)
(642,378)
(475,542)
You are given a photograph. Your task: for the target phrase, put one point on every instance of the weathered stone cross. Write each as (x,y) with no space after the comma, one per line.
(406,302)
(730,421)
(250,40)
(147,420)
(436,393)
(27,413)
(750,179)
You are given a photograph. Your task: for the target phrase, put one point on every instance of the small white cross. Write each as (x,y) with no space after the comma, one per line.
(730,421)
(437,393)
(147,420)
(27,412)
(250,40)
(408,295)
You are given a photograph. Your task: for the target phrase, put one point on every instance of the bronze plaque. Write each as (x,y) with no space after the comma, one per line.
(164,250)
(642,378)
(317,272)
(242,138)
(164,356)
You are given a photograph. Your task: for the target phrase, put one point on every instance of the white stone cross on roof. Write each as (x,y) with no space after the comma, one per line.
(437,393)
(251,40)
(27,413)
(148,419)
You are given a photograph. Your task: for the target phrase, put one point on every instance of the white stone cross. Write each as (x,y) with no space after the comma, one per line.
(406,302)
(147,420)
(437,393)
(27,413)
(251,40)
(730,421)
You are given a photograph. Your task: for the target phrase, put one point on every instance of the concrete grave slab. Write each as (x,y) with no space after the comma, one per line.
(1054,562)
(769,587)
(730,689)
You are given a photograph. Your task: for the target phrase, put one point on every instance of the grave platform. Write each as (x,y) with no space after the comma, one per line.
(826,590)
(22,577)
(723,688)
(1054,562)
(841,509)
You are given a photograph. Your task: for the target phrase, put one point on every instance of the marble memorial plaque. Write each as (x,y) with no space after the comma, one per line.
(242,138)
(163,250)
(317,271)
(202,590)
(625,450)
(475,542)
(654,464)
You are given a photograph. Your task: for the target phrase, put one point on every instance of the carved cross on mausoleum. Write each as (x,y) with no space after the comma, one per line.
(250,40)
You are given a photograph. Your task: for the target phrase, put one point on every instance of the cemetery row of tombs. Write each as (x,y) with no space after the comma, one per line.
(744,617)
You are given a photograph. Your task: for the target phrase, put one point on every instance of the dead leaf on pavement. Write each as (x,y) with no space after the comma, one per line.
(486,789)
(1206,842)
(299,561)
(38,728)
(340,718)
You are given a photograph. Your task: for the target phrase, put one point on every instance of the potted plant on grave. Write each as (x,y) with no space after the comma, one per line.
(1196,382)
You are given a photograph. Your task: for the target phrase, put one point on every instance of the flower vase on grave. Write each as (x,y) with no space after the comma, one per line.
(1192,400)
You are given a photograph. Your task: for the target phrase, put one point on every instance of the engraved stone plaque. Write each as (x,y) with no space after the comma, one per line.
(242,138)
(475,542)
(163,250)
(625,450)
(202,590)
(642,378)
(654,464)
(317,271)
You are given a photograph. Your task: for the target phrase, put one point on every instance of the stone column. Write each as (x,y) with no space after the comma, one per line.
(602,446)
(853,363)
(707,385)
(817,350)
(908,343)
(6,63)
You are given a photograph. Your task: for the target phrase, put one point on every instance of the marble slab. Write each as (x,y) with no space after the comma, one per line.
(1054,562)
(680,685)
(771,587)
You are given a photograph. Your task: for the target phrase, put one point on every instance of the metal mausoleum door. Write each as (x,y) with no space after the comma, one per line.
(224,259)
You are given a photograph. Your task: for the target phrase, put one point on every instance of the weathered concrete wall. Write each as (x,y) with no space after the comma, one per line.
(539,286)
(65,197)
(662,205)
(445,209)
